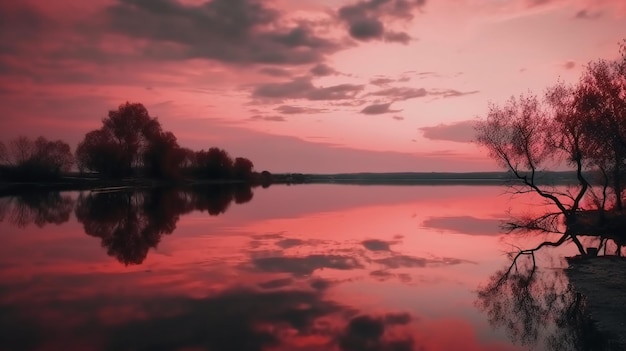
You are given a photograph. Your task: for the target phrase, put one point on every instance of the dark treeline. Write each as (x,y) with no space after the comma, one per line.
(128,223)
(130,143)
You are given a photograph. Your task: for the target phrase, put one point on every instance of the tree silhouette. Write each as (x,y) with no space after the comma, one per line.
(163,156)
(243,168)
(583,126)
(40,159)
(120,145)
(214,164)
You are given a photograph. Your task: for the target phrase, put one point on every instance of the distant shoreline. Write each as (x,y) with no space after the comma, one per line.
(76,182)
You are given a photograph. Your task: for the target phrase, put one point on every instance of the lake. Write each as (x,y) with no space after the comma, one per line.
(307,267)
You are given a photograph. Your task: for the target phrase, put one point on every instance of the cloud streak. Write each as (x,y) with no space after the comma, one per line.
(460,132)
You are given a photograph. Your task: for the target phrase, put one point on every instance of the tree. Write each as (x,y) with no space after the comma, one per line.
(3,154)
(40,159)
(582,126)
(242,168)
(601,97)
(214,163)
(100,153)
(526,134)
(163,157)
(121,143)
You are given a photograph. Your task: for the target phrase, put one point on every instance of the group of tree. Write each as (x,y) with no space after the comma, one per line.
(26,159)
(129,143)
(581,125)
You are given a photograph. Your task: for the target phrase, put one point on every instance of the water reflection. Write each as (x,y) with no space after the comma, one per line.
(362,275)
(40,208)
(538,307)
(130,223)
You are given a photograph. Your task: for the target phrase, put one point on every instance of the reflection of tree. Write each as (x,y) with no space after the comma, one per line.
(131,222)
(215,199)
(535,307)
(40,208)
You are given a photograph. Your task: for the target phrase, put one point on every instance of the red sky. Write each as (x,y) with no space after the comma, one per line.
(296,85)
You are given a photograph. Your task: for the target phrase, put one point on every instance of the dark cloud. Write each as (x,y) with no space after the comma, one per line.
(401,93)
(268,118)
(461,132)
(398,37)
(275,71)
(301,266)
(376,245)
(231,31)
(366,29)
(296,110)
(465,225)
(303,88)
(448,93)
(381,81)
(378,109)
(569,65)
(585,14)
(364,19)
(398,118)
(322,69)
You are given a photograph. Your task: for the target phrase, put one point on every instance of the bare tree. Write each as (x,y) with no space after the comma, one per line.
(521,137)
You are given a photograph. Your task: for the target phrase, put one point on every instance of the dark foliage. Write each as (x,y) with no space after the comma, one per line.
(34,160)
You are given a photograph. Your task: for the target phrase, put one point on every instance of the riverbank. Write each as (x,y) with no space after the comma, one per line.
(603,281)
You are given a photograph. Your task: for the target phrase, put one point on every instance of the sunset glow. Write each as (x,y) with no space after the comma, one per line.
(303,86)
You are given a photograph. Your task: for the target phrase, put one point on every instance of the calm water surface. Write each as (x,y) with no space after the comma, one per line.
(312,267)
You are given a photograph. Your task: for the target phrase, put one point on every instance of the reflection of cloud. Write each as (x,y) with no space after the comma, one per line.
(462,132)
(368,333)
(232,320)
(382,275)
(320,284)
(276,283)
(465,225)
(376,245)
(289,242)
(300,266)
(405,261)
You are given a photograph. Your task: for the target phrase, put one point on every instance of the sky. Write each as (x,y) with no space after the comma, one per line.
(316,86)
